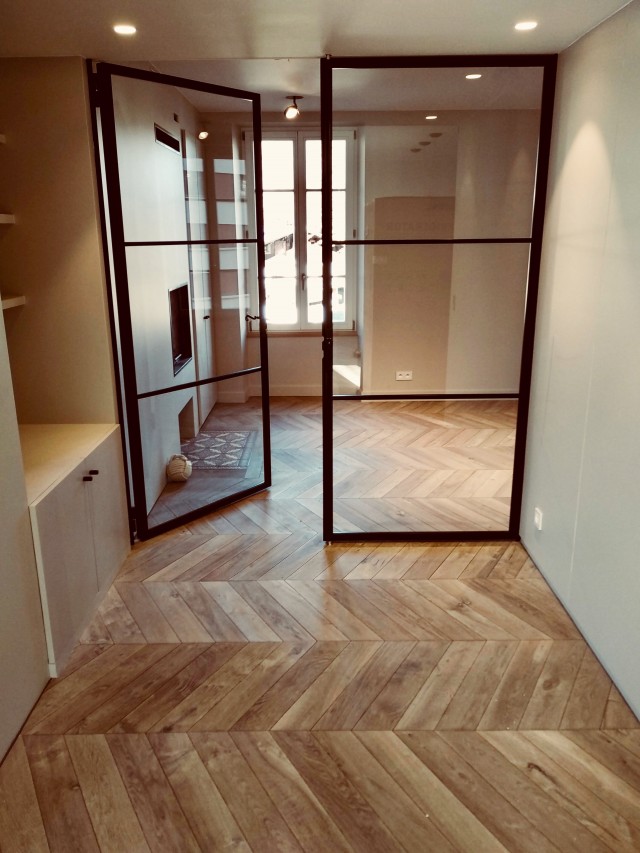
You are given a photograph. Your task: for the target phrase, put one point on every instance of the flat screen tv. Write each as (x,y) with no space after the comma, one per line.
(180,318)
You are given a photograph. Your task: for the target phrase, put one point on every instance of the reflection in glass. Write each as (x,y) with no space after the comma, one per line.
(423,466)
(225,451)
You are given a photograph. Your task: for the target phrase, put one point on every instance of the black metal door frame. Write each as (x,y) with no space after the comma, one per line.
(122,329)
(548,62)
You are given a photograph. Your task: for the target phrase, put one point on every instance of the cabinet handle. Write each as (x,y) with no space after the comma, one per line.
(95,472)
(87,479)
(206,316)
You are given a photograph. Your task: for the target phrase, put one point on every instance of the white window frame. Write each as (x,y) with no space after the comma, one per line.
(300,137)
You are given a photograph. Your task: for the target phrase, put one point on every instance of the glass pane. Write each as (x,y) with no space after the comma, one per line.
(166,169)
(432,320)
(423,465)
(223,448)
(282,306)
(467,173)
(451,317)
(314,300)
(188,320)
(313,159)
(279,225)
(314,227)
(277,164)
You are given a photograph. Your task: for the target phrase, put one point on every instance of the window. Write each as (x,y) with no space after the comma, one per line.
(292,174)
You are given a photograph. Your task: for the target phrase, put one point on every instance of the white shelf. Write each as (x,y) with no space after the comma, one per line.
(12,301)
(7,219)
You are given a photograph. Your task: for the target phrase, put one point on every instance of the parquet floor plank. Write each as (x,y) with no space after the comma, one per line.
(348,809)
(408,824)
(21,826)
(572,795)
(255,813)
(301,809)
(161,817)
(210,820)
(60,798)
(105,795)
(495,811)
(454,820)
(559,827)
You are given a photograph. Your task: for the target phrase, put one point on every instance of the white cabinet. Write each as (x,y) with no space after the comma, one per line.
(75,488)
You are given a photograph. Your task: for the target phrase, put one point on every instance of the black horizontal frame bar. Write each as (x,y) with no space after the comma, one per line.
(197,383)
(249,241)
(434,536)
(417,242)
(392,397)
(109,68)
(505,60)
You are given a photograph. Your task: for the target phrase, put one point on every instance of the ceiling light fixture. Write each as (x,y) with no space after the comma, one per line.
(526,25)
(293,110)
(125,29)
(203,134)
(430,118)
(473,76)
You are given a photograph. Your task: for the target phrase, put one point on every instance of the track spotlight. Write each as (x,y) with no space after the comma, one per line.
(293,110)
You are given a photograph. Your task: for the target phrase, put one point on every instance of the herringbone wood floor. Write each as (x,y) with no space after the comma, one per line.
(245,687)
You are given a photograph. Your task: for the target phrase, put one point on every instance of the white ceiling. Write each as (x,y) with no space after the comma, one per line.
(197,38)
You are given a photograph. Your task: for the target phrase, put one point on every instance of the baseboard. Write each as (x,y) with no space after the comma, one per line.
(233,397)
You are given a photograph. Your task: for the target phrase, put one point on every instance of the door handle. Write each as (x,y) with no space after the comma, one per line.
(249,317)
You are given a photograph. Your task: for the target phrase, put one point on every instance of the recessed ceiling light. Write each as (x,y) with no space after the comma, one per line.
(526,25)
(125,29)
(473,76)
(430,118)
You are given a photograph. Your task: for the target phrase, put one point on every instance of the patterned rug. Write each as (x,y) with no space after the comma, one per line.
(218,448)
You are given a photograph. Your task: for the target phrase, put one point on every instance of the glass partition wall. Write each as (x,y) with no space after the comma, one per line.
(427,438)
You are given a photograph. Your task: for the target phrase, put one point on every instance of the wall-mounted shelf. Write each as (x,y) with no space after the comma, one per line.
(12,301)
(7,219)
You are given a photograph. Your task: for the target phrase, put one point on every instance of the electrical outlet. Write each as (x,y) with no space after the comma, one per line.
(404,375)
(537,518)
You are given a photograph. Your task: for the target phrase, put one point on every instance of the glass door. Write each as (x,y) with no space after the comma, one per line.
(184,248)
(453,155)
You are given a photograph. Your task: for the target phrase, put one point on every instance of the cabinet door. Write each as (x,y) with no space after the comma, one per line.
(66,563)
(109,517)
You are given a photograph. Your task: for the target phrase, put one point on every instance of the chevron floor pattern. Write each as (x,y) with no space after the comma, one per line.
(243,686)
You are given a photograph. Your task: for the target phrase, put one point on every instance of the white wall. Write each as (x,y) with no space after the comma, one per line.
(495,179)
(583,453)
(485,161)
(153,207)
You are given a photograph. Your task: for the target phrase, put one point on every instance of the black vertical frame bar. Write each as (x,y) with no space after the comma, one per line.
(537,229)
(118,250)
(548,62)
(326,112)
(262,298)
